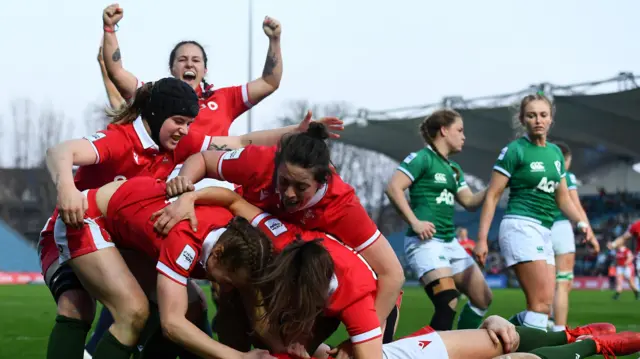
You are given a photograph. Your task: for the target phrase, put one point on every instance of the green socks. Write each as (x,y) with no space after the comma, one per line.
(67,338)
(581,349)
(531,339)
(470,317)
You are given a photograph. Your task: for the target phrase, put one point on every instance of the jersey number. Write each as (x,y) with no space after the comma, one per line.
(446,197)
(547,186)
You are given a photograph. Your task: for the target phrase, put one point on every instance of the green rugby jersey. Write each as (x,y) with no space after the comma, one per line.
(534,174)
(432,191)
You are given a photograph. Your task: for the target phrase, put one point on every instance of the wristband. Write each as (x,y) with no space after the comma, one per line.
(110,29)
(582,225)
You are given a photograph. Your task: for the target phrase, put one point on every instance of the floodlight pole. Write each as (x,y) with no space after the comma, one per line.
(250,60)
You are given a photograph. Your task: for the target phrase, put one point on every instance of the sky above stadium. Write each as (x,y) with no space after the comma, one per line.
(371,54)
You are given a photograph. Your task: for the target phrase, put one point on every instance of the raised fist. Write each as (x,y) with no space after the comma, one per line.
(271,27)
(111,15)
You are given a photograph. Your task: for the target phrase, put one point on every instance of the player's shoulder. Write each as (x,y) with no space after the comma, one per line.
(555,148)
(456,165)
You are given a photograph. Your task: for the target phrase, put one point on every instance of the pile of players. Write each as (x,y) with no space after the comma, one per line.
(291,249)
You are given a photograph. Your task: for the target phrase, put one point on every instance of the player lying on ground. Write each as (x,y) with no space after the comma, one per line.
(581,342)
(296,182)
(499,338)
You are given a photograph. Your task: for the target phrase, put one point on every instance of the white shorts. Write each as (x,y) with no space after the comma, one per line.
(426,346)
(523,240)
(425,256)
(624,271)
(562,237)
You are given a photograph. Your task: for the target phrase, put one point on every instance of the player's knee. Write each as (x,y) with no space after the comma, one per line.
(134,314)
(76,304)
(443,294)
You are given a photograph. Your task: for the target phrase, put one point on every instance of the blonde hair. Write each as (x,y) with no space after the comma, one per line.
(516,122)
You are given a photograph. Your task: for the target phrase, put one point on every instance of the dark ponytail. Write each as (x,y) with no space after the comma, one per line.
(129,113)
(430,127)
(307,150)
(297,287)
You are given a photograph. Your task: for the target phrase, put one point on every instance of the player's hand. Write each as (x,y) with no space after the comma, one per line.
(298,350)
(271,27)
(100,56)
(179,185)
(502,331)
(332,124)
(610,245)
(591,238)
(480,252)
(182,209)
(257,354)
(72,205)
(424,229)
(342,351)
(111,15)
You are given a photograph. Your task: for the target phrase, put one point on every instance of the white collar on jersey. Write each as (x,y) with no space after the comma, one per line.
(143,135)
(316,197)
(209,242)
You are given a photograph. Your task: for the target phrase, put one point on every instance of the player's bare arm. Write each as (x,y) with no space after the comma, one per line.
(620,240)
(115,99)
(173,303)
(124,81)
(497,185)
(395,191)
(60,160)
(385,263)
(469,200)
(269,82)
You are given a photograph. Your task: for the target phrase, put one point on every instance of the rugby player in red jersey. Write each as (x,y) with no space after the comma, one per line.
(624,271)
(463,238)
(632,233)
(350,283)
(188,62)
(296,182)
(148,138)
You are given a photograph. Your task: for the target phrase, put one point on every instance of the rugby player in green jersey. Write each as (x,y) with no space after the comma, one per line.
(563,241)
(434,184)
(534,170)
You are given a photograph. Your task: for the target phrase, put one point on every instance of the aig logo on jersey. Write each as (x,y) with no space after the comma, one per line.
(275,226)
(537,167)
(440,178)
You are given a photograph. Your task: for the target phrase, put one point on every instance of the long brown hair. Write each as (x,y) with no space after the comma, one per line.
(430,127)
(129,113)
(297,288)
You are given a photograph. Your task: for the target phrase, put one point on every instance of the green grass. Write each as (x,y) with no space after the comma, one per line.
(27,313)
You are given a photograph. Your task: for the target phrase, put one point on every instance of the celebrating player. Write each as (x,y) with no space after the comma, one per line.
(564,247)
(534,170)
(624,271)
(148,138)
(435,183)
(316,277)
(188,62)
(296,182)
